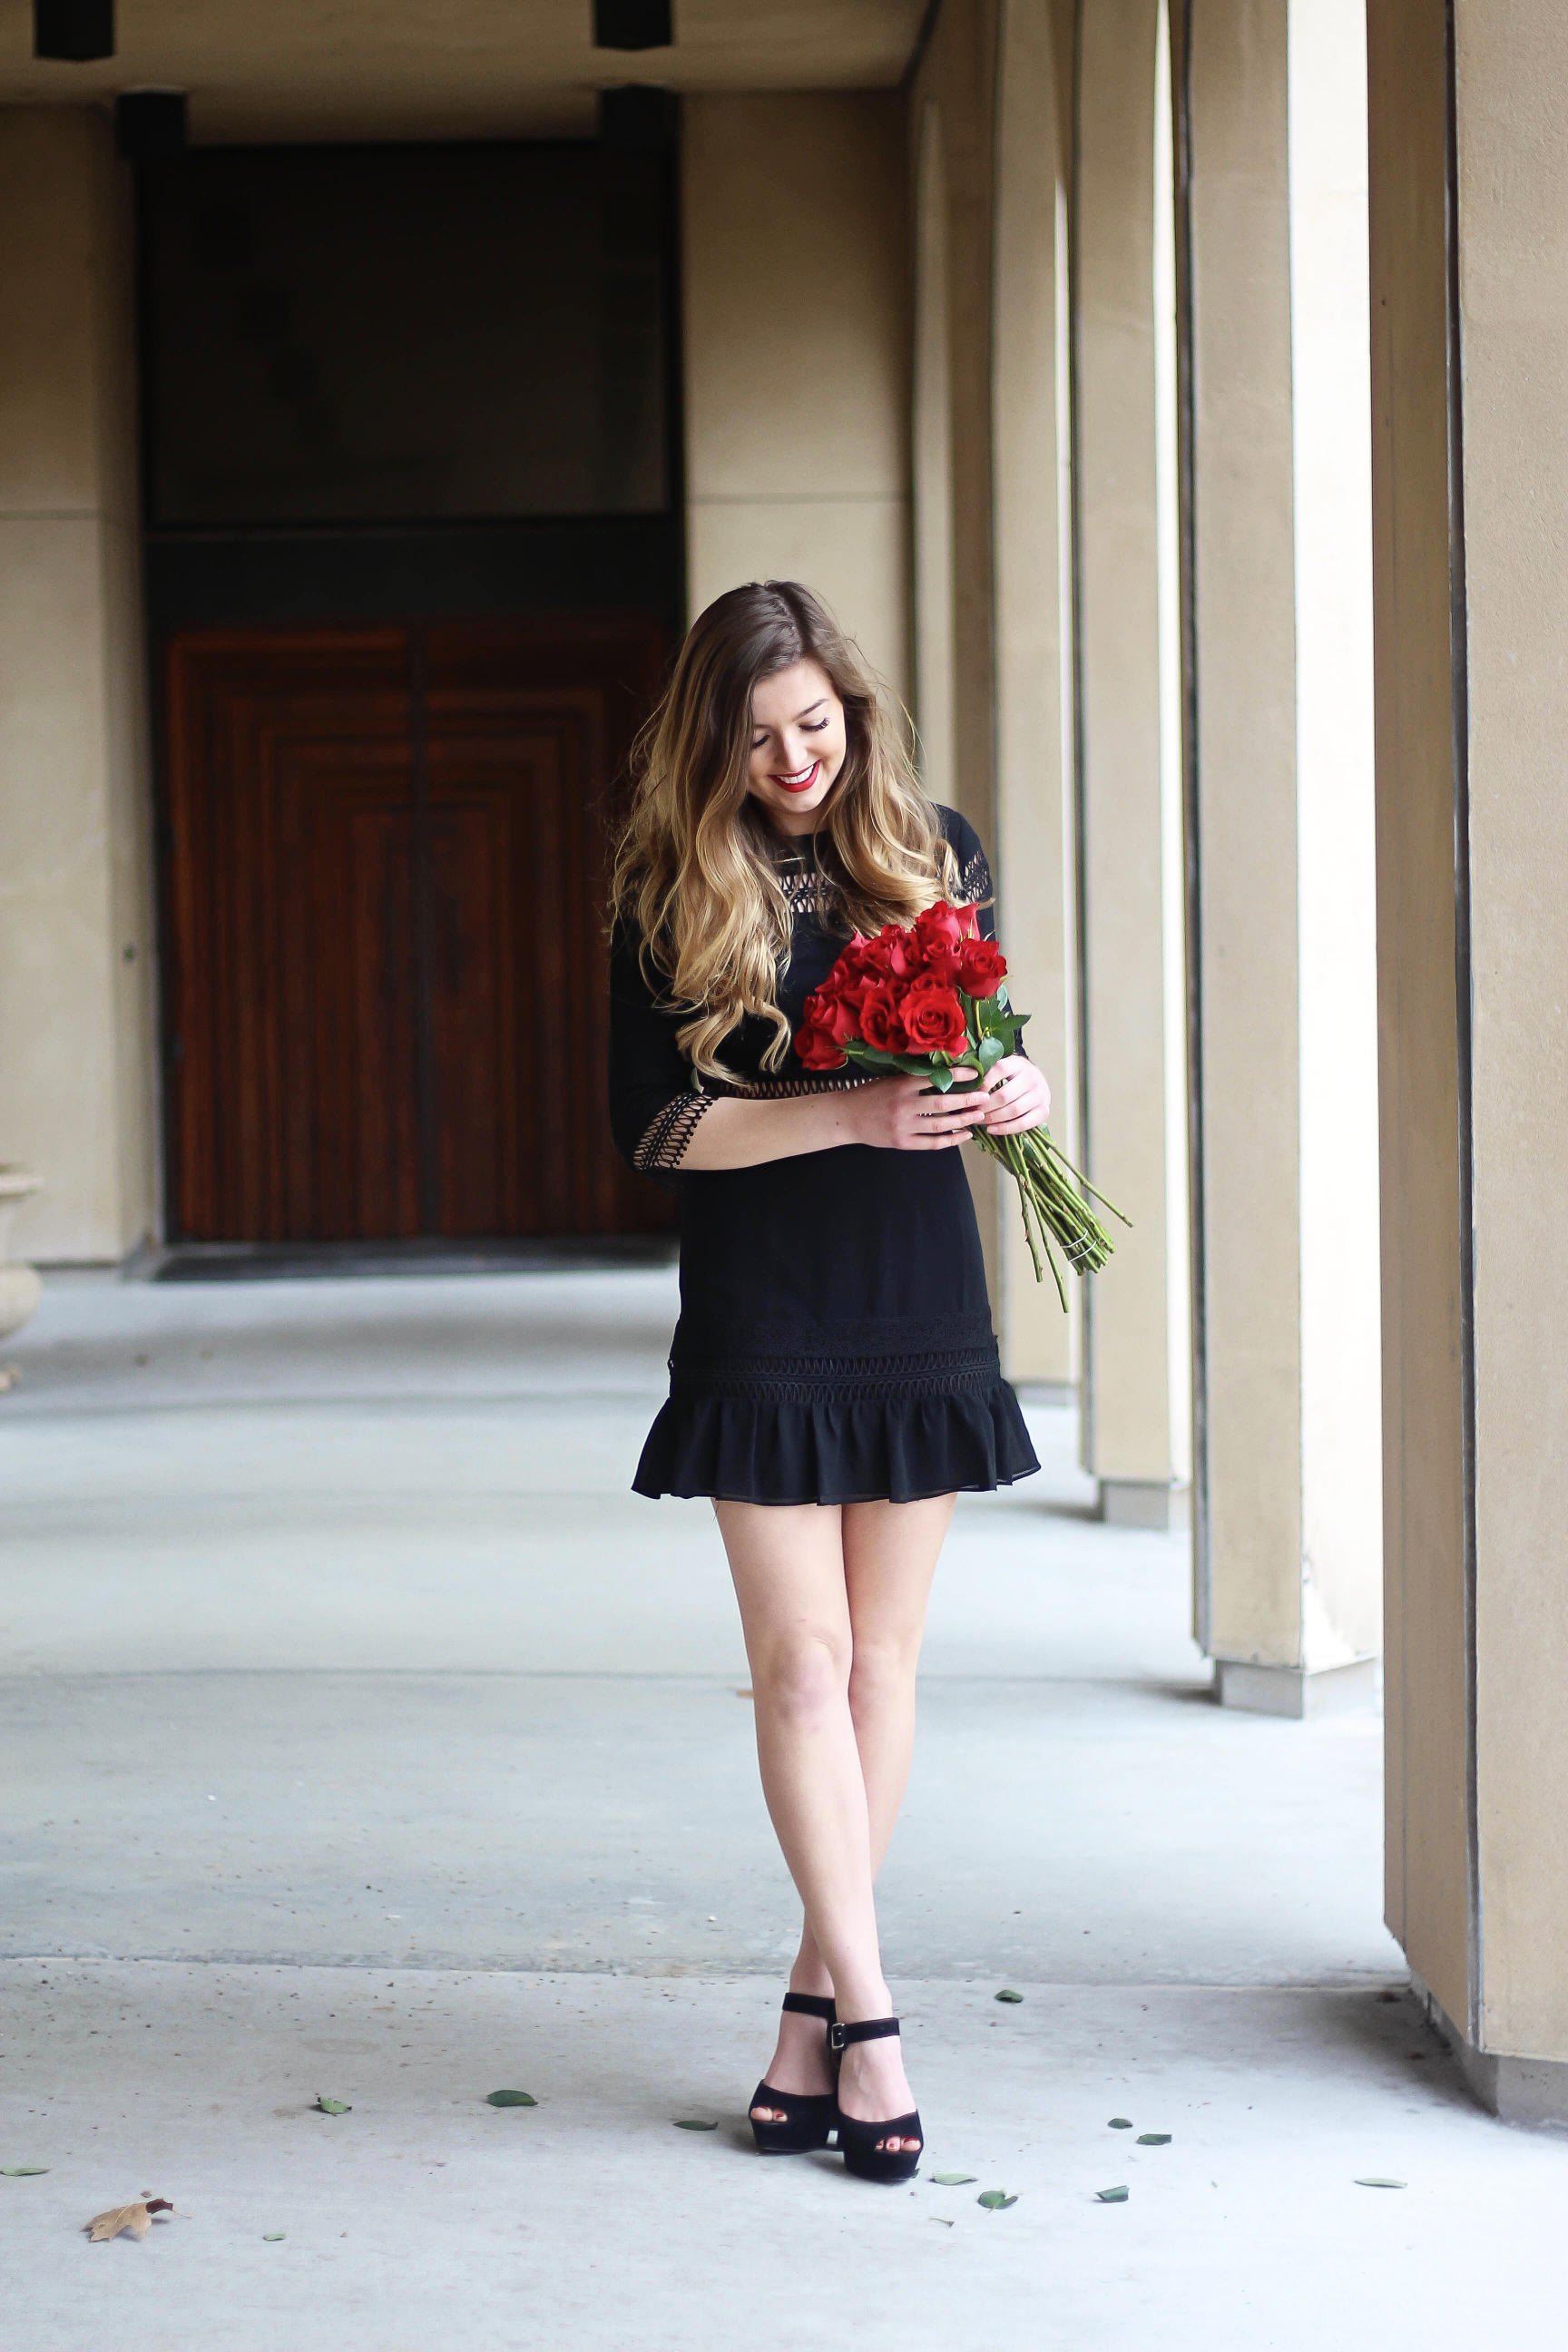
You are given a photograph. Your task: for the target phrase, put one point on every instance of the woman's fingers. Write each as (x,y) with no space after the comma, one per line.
(1018,1095)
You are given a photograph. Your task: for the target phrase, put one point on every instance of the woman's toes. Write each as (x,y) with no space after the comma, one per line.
(768,2115)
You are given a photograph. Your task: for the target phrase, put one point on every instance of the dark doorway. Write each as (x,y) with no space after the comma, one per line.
(412,561)
(386,980)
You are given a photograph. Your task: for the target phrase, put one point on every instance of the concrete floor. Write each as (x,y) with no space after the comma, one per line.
(363,1735)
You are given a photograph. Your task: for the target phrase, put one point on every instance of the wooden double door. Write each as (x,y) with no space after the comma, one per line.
(387,857)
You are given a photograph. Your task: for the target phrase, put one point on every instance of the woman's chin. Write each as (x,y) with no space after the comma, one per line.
(794,808)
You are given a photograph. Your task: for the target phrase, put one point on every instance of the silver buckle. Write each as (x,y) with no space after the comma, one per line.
(836,2037)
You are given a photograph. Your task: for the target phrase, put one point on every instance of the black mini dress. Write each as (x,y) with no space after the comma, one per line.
(835,1342)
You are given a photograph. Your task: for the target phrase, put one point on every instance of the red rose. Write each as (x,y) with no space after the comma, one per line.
(879,1023)
(832,1014)
(934,1019)
(817,1050)
(906,953)
(982,967)
(849,980)
(941,925)
(941,959)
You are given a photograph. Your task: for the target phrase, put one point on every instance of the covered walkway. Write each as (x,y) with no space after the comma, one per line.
(365,1737)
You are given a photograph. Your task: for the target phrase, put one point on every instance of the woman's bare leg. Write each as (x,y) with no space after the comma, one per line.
(833,1605)
(890,1552)
(788,1567)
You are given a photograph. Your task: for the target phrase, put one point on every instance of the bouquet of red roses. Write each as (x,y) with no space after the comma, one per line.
(929,1001)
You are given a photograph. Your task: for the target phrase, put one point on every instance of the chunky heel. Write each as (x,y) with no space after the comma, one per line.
(809,2115)
(858,2140)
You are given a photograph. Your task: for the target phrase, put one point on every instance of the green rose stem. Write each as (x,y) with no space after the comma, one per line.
(1051,1206)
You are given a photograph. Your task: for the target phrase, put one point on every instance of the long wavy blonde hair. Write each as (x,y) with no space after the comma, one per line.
(696,872)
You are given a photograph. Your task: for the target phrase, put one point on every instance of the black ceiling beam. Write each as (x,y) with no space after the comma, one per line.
(75,32)
(150,125)
(632,25)
(638,119)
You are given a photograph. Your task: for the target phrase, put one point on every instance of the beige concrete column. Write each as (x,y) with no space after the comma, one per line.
(76,1027)
(1136,1420)
(1471,579)
(1035,820)
(1288,1573)
(952,140)
(795,237)
(930,403)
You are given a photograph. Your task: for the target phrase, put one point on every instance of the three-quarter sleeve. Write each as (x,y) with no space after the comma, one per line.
(655,1103)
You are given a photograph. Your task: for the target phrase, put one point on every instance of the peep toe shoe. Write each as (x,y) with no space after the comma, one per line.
(809,2116)
(858,2140)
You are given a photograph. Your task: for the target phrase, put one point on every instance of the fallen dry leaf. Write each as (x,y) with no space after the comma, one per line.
(137,2218)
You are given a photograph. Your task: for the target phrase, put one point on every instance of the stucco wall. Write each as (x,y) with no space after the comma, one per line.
(77,1086)
(1035,830)
(795,278)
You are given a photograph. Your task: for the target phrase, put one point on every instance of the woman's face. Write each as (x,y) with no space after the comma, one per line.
(798,744)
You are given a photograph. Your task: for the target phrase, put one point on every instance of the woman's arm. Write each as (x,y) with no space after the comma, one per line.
(890,1114)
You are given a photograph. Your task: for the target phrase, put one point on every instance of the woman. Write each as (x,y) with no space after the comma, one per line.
(834,1374)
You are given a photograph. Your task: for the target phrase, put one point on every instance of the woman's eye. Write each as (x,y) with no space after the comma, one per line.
(759,741)
(813,727)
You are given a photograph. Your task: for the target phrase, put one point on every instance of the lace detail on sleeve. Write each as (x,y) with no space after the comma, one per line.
(975,883)
(666,1142)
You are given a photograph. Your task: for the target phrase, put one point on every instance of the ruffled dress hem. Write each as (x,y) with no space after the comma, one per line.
(848,1450)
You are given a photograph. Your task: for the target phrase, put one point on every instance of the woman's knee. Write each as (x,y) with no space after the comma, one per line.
(882,1671)
(803,1675)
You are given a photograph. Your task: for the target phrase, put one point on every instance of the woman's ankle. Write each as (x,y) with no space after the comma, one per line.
(863,1998)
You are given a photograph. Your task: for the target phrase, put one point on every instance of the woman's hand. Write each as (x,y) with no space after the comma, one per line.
(1016,1096)
(907,1115)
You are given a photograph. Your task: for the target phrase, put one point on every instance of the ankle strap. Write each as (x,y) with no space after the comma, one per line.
(869,2029)
(810,2004)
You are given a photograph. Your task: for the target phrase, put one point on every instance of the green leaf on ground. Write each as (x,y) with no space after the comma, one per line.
(332,2106)
(996,2200)
(511,2099)
(1376,2180)
(1153,2139)
(951,2180)
(1007,1993)
(23,2171)
(694,2123)
(273,2237)
(1120,2123)
(1111,2196)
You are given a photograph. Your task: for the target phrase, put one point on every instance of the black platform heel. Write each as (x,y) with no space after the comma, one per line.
(809,2115)
(858,2140)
